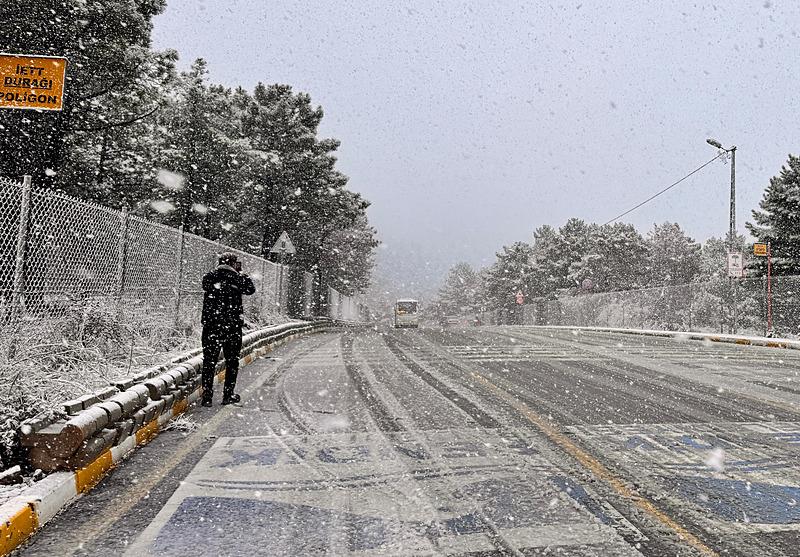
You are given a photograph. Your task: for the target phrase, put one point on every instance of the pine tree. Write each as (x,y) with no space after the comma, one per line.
(674,256)
(511,273)
(616,259)
(778,221)
(350,252)
(459,293)
(295,187)
(554,254)
(114,81)
(201,145)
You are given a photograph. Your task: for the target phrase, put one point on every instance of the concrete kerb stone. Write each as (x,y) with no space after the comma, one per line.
(768,342)
(23,515)
(18,522)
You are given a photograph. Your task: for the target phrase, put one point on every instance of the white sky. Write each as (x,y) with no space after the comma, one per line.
(469,124)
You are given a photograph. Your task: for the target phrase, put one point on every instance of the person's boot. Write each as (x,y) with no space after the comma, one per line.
(231,399)
(207,399)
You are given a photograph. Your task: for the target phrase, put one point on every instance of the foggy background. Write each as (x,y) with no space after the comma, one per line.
(467,125)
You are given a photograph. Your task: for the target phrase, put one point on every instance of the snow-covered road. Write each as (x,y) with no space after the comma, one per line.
(479,441)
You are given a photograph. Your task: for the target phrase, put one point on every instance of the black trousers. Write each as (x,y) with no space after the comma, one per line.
(229,340)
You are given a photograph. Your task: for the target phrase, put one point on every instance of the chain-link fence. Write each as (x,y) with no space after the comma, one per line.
(346,308)
(721,305)
(308,294)
(10,206)
(61,257)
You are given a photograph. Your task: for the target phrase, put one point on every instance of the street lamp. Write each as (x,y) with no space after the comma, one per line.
(732,231)
(732,151)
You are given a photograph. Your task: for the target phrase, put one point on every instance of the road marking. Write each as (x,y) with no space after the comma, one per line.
(737,376)
(758,481)
(596,467)
(89,531)
(301,492)
(516,353)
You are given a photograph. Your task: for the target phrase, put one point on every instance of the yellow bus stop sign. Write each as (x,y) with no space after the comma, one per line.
(760,249)
(33,82)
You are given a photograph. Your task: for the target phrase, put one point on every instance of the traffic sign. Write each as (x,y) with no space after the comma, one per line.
(283,245)
(520,297)
(735,264)
(32,82)
(760,249)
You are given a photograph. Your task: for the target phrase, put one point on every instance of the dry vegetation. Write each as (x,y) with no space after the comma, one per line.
(46,362)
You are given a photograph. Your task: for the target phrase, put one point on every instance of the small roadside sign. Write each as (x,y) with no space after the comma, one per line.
(735,264)
(283,245)
(760,249)
(520,297)
(32,82)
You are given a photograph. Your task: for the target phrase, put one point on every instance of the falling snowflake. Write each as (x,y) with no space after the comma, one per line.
(161,206)
(170,180)
(716,460)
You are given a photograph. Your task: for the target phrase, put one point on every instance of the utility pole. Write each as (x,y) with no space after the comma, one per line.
(732,220)
(732,227)
(732,232)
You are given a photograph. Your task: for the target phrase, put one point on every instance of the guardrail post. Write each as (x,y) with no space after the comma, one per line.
(18,294)
(179,278)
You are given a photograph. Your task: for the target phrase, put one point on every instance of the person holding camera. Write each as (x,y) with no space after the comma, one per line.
(223,319)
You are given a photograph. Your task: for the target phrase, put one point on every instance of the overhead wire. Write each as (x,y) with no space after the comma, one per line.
(652,197)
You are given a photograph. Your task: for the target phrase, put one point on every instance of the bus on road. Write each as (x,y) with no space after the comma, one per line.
(406,313)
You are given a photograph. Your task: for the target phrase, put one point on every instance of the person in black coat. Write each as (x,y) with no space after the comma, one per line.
(223,318)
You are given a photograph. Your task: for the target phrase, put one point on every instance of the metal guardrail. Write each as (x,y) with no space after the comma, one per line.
(102,429)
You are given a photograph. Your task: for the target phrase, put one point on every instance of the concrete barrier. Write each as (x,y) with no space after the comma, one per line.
(95,443)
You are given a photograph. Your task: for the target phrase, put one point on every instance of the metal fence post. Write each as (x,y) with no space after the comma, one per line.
(179,278)
(641,311)
(263,288)
(281,299)
(284,285)
(277,288)
(122,254)
(18,294)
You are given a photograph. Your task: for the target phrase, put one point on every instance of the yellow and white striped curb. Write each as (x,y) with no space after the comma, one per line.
(683,335)
(21,516)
